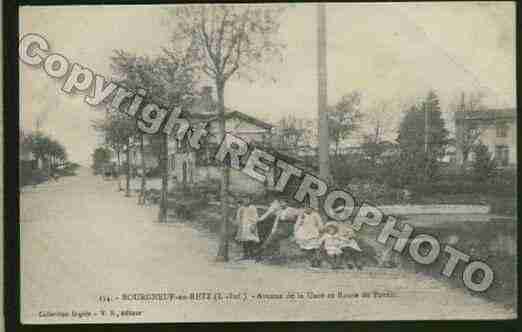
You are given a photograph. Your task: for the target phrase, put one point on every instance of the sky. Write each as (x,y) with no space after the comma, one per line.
(392,53)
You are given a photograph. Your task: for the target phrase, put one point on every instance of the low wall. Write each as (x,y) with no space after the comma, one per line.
(453,209)
(440,220)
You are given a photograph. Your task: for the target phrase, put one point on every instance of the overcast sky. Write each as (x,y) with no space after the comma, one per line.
(389,52)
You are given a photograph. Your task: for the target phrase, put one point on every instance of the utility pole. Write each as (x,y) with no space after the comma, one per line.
(426,142)
(426,127)
(322,96)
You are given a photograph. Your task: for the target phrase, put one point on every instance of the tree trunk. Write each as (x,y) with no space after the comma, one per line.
(322,100)
(48,165)
(184,173)
(127,178)
(222,254)
(164,180)
(141,199)
(465,161)
(119,170)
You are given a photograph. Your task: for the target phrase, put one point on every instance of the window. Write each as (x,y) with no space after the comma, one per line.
(502,155)
(502,129)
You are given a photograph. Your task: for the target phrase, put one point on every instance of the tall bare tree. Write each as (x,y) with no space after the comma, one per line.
(343,118)
(379,120)
(227,41)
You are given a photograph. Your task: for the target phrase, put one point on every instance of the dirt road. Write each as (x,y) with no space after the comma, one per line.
(81,239)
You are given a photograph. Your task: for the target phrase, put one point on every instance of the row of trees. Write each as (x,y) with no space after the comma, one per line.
(343,119)
(421,143)
(101,157)
(218,43)
(209,42)
(46,150)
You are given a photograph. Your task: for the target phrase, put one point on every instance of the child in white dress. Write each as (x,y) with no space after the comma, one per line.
(333,242)
(247,235)
(307,234)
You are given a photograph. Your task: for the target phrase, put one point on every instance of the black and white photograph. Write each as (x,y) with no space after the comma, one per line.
(243,162)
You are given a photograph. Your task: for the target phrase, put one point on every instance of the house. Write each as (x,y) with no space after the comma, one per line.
(449,157)
(497,129)
(151,158)
(189,166)
(27,160)
(26,157)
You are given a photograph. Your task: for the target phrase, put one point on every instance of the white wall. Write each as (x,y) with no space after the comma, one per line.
(490,139)
(239,182)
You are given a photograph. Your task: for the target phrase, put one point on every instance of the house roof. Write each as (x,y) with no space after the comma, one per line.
(200,116)
(229,114)
(492,114)
(247,118)
(205,108)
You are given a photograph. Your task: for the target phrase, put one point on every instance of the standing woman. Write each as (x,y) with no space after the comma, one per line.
(307,234)
(247,228)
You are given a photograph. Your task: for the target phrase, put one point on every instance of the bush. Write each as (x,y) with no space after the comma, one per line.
(154,172)
(347,168)
(507,177)
(389,172)
(493,243)
(483,165)
(69,169)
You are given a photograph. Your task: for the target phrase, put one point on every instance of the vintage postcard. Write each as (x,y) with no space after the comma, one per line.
(267,162)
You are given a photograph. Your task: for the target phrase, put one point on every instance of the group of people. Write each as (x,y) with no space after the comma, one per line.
(330,241)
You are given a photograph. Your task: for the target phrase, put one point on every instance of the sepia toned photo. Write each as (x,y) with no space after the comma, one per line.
(267,162)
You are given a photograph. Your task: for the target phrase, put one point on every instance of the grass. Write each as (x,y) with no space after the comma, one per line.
(476,239)
(492,243)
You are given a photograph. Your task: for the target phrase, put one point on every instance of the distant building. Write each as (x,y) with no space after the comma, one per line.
(151,158)
(497,129)
(188,166)
(449,155)
(27,159)
(26,156)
